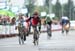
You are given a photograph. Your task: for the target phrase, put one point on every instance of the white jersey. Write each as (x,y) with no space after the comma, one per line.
(24,23)
(66,18)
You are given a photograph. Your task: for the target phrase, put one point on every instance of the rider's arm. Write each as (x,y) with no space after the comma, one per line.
(29,19)
(39,21)
(39,24)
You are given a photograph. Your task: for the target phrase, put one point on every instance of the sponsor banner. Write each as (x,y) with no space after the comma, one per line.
(11,29)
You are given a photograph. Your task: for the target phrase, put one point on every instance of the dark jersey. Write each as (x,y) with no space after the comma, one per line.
(34,21)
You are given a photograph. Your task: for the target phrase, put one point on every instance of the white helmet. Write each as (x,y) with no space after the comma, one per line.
(66,18)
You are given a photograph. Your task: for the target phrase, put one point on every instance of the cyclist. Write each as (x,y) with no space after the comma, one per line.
(65,22)
(35,20)
(49,23)
(22,21)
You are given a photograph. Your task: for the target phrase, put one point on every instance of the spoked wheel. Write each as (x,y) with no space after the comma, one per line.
(49,35)
(36,38)
(36,42)
(67,32)
(62,30)
(21,38)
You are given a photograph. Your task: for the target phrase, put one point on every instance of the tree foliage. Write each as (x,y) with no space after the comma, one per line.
(68,11)
(57,9)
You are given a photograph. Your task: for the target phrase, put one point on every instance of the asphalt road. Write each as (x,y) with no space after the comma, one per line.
(58,42)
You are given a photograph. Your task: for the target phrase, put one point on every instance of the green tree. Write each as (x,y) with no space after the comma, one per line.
(68,11)
(47,6)
(47,3)
(30,6)
(57,9)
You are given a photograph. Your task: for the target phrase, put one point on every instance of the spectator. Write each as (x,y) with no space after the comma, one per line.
(0,20)
(4,20)
(13,21)
(8,19)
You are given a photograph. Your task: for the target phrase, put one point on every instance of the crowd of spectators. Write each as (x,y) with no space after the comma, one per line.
(6,20)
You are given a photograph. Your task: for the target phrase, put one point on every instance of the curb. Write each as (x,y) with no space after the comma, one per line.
(8,35)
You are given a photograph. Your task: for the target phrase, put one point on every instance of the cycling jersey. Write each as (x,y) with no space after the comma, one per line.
(34,21)
(64,22)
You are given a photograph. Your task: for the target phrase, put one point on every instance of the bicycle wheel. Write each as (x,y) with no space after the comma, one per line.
(21,38)
(25,36)
(49,32)
(36,37)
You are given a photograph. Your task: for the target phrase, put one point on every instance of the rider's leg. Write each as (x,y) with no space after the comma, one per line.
(24,37)
(62,29)
(24,33)
(49,30)
(67,31)
(29,30)
(34,35)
